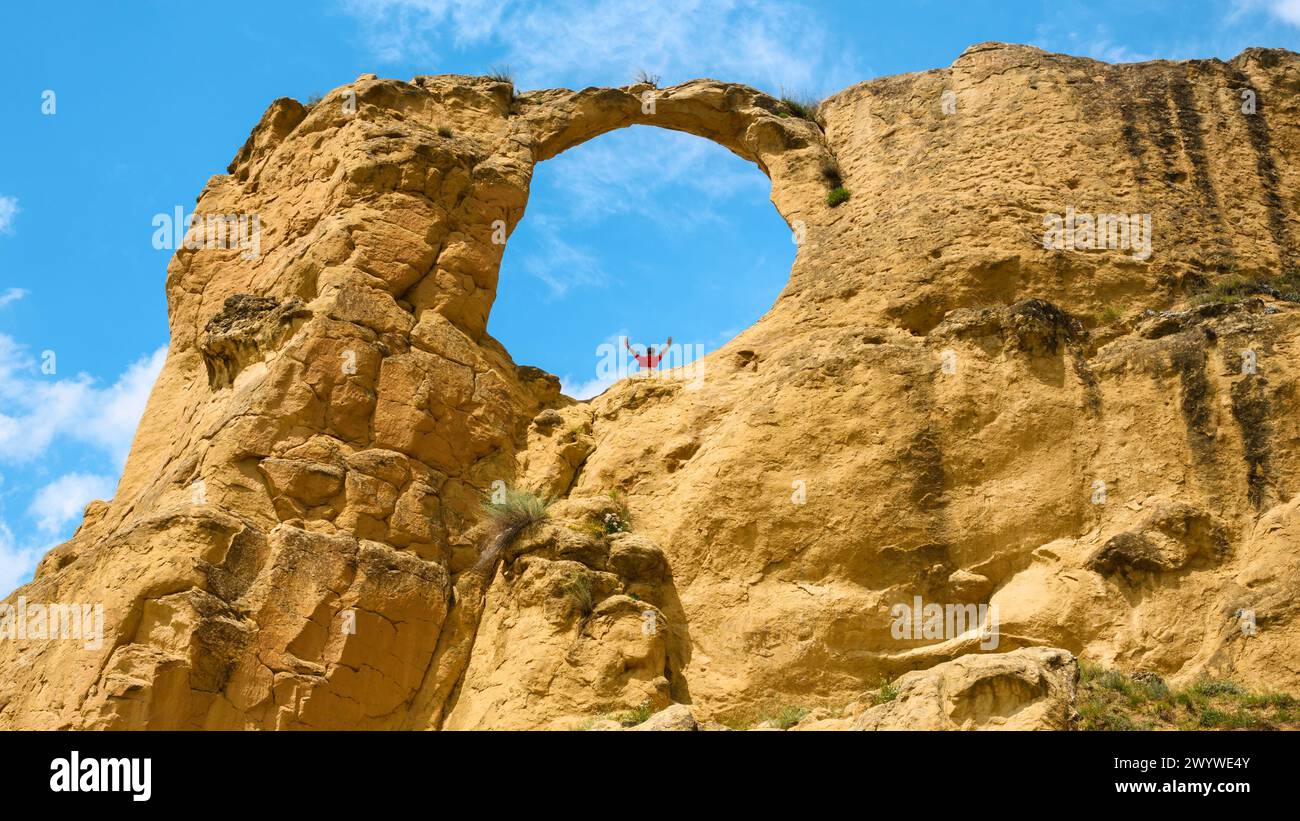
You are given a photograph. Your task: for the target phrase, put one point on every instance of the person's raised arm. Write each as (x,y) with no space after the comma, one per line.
(664,350)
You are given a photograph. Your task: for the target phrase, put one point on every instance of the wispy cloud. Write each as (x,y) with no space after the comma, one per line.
(769,45)
(16,561)
(8,210)
(41,414)
(1230,27)
(60,502)
(1102,47)
(587,388)
(421,29)
(40,410)
(11,295)
(1287,11)
(680,183)
(632,171)
(1095,41)
(559,263)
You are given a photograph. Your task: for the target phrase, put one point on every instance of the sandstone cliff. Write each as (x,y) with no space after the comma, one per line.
(936,406)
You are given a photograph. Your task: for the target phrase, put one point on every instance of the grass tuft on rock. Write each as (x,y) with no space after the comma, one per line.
(510,512)
(645,78)
(1111,700)
(781,717)
(579,589)
(786,717)
(837,196)
(637,715)
(1235,287)
(1108,315)
(888,691)
(803,106)
(620,519)
(831,173)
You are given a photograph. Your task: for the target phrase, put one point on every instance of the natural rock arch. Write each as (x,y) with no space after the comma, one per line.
(729,117)
(342,400)
(789,150)
(342,417)
(754,126)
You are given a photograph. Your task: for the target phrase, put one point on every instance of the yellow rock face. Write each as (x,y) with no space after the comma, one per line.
(940,405)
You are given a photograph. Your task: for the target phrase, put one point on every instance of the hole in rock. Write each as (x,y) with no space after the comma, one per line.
(642,233)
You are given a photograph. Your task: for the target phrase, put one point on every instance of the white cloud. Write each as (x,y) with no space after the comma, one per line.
(40,414)
(1103,48)
(681,183)
(585,390)
(595,42)
(1288,10)
(628,172)
(113,422)
(407,29)
(559,263)
(1095,41)
(38,409)
(1285,10)
(63,500)
(11,295)
(8,210)
(16,563)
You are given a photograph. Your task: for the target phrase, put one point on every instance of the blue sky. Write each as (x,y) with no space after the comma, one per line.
(642,233)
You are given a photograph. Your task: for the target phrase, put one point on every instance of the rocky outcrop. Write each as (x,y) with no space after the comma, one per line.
(937,406)
(575,625)
(677,718)
(1030,689)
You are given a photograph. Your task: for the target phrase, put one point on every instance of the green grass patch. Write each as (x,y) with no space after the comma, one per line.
(618,520)
(785,717)
(578,587)
(1108,315)
(782,717)
(803,106)
(885,693)
(637,715)
(509,511)
(1235,287)
(1112,700)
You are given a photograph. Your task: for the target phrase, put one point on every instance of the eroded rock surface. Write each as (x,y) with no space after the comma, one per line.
(1029,689)
(932,408)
